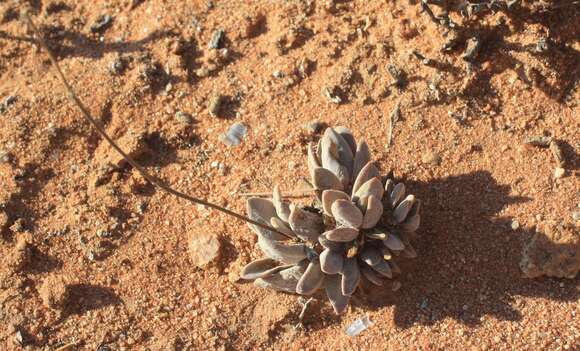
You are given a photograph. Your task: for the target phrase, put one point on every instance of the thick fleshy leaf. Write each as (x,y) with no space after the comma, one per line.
(330,196)
(284,252)
(371,275)
(282,226)
(393,242)
(282,207)
(397,194)
(371,256)
(395,267)
(313,160)
(260,268)
(383,268)
(334,157)
(372,187)
(331,261)
(333,287)
(374,212)
(402,209)
(416,209)
(284,280)
(411,223)
(350,276)
(361,158)
(333,165)
(262,210)
(342,234)
(324,179)
(311,280)
(409,252)
(340,150)
(369,171)
(346,134)
(329,244)
(389,186)
(346,213)
(305,224)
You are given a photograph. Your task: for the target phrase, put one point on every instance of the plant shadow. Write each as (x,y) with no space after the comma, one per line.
(468,264)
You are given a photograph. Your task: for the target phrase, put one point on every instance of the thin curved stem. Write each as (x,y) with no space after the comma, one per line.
(74,98)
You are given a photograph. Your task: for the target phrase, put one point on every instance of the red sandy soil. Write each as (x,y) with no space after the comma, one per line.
(92,256)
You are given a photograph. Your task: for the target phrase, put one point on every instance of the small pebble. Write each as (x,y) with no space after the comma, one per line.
(216,39)
(202,72)
(215,104)
(9,100)
(576,215)
(431,157)
(235,134)
(183,117)
(4,156)
(396,285)
(117,66)
(331,95)
(559,172)
(278,74)
(203,249)
(515,225)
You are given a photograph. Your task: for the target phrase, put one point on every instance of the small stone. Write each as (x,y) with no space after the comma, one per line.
(554,251)
(215,104)
(54,292)
(291,165)
(203,249)
(4,156)
(396,285)
(133,143)
(576,215)
(8,101)
(332,95)
(235,134)
(183,117)
(278,74)
(117,66)
(216,40)
(515,225)
(431,157)
(559,172)
(102,24)
(19,338)
(313,127)
(202,72)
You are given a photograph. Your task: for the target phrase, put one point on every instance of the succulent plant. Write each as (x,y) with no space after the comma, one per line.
(359,227)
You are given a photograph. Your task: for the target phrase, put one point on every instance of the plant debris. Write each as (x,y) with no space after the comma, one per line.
(393,118)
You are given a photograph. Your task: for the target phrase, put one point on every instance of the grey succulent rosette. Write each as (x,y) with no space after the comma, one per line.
(362,225)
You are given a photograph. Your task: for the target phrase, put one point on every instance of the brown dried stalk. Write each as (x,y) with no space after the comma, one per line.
(150,178)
